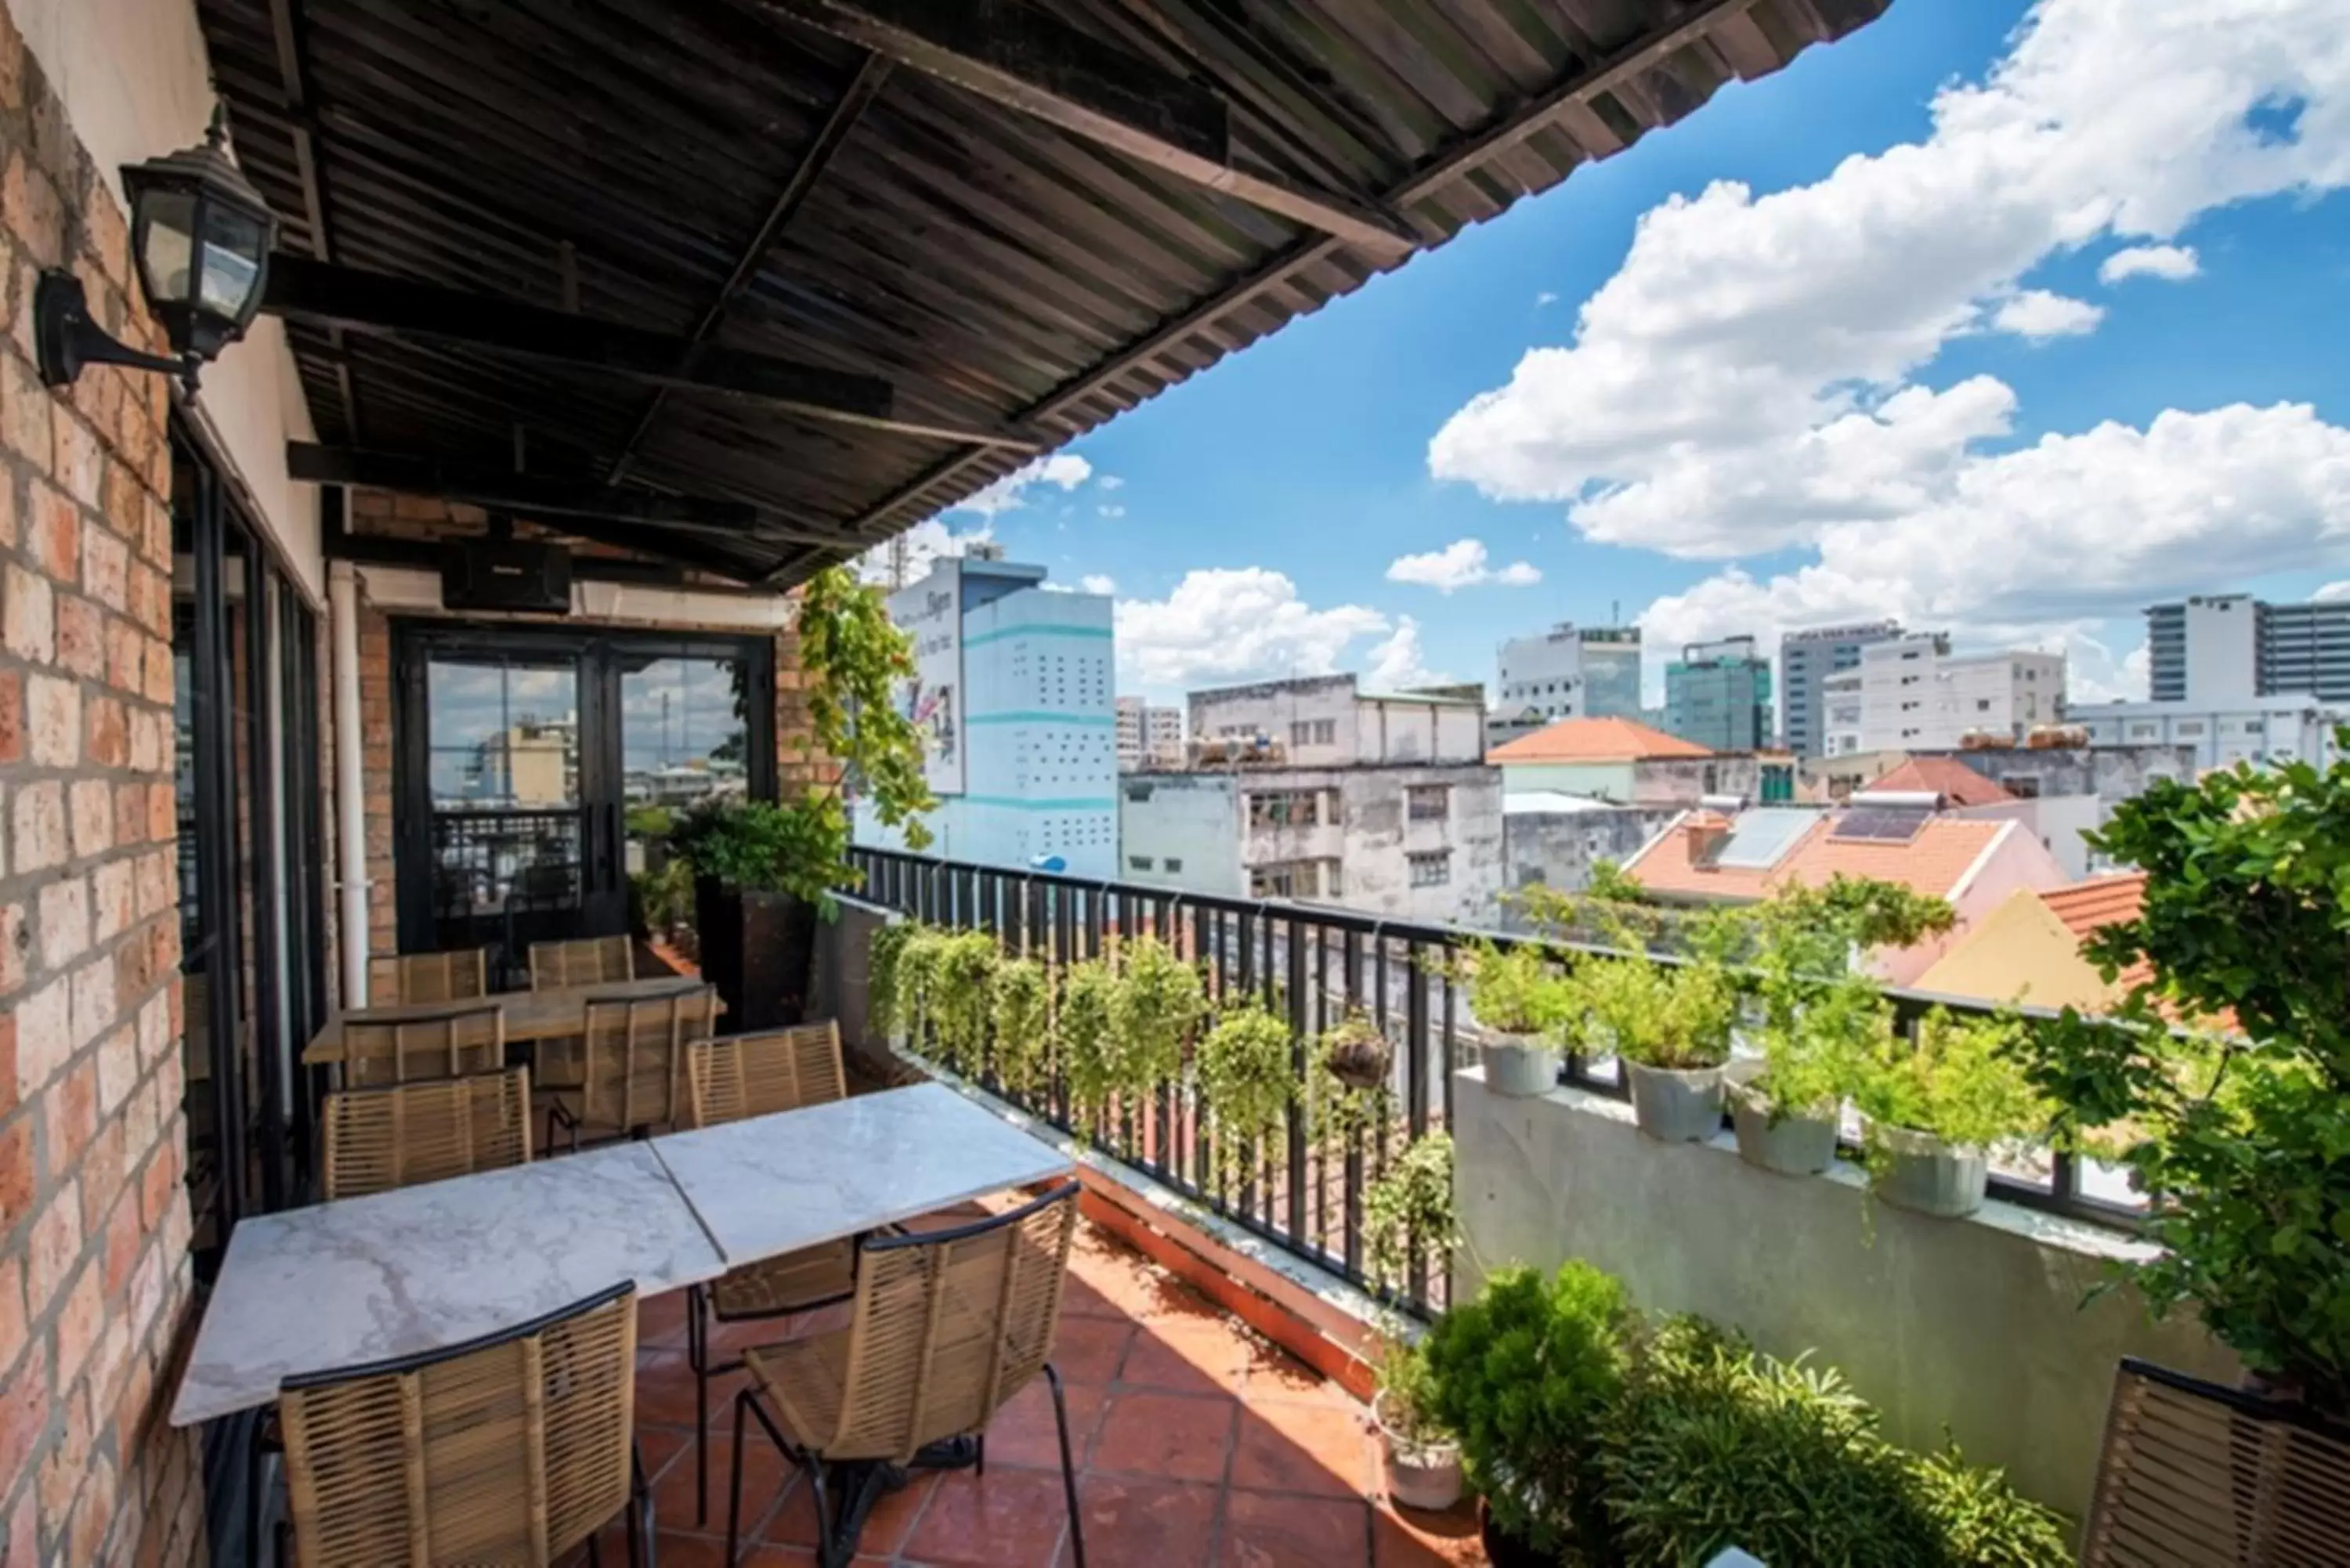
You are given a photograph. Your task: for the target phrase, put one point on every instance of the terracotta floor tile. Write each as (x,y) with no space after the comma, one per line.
(766,1476)
(1175,1437)
(1275,1375)
(1131,1522)
(660,1321)
(886,1528)
(1410,1539)
(1091,1349)
(1079,1299)
(665,1391)
(1022,1432)
(1304,1447)
(1005,1519)
(1261,1531)
(1187,1356)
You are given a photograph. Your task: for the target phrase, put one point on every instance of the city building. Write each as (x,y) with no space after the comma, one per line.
(1625,762)
(1717,694)
(1567,672)
(1712,857)
(1148,735)
(1551,839)
(1910,692)
(1013,691)
(1807,659)
(1316,791)
(2288,727)
(2214,651)
(2028,950)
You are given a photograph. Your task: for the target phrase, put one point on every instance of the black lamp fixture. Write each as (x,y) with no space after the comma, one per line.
(201,236)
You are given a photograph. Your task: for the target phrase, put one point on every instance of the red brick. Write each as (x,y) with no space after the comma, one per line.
(153,592)
(65,922)
(11,716)
(15,947)
(55,1244)
(94,990)
(12,1312)
(110,899)
(76,461)
(23,1412)
(159,685)
(155,1186)
(129,814)
(89,811)
(109,739)
(52,721)
(28,613)
(53,541)
(40,819)
(124,1233)
(126,656)
(81,635)
(72,1108)
(101,1177)
(162,821)
(19,1172)
(79,1323)
(7,1077)
(106,566)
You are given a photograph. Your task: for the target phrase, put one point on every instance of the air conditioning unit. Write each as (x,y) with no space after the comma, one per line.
(505,575)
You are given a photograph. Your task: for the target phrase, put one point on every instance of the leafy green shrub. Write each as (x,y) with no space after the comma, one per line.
(1816,1050)
(1512,989)
(1082,1039)
(1410,1204)
(911,980)
(1158,1003)
(1675,1016)
(1713,1445)
(961,998)
(1525,1374)
(888,992)
(661,899)
(1024,1025)
(1247,1076)
(1966,1081)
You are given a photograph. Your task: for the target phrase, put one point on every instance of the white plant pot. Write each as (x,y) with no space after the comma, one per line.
(1419,1475)
(1673,1106)
(1927,1176)
(1790,1145)
(1520,1065)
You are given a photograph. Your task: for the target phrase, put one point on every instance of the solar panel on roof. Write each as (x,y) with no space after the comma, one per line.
(1881,825)
(1763,839)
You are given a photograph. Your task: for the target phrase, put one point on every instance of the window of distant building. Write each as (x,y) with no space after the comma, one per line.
(1429,870)
(1173,864)
(1139,862)
(1428,803)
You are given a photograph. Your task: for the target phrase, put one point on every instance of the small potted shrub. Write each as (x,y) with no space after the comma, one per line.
(1785,1104)
(1516,994)
(1420,1457)
(1358,1052)
(1932,1111)
(1524,1376)
(1407,1212)
(1670,1025)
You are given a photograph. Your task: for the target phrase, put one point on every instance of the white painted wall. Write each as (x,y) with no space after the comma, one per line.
(1191,820)
(135,83)
(1983,1323)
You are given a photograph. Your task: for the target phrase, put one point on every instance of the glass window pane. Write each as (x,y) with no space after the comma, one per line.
(502,735)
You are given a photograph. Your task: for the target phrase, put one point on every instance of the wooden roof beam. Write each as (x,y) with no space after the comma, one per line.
(301,289)
(1035,64)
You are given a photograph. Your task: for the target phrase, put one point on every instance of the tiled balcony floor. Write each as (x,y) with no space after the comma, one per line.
(1199,1447)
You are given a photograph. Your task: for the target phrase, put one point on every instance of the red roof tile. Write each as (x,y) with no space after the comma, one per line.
(1946,777)
(2085,906)
(1935,862)
(1595,741)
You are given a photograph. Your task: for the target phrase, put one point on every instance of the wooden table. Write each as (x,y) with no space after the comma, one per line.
(554,1013)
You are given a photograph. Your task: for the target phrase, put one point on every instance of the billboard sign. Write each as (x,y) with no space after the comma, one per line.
(930,611)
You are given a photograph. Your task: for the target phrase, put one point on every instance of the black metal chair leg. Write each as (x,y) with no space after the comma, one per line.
(979,1446)
(734,1489)
(641,1525)
(697,1352)
(1068,1467)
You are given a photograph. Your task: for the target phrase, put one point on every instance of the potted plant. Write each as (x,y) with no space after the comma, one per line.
(2220,1085)
(1246,1075)
(1514,993)
(1420,1458)
(766,871)
(1407,1214)
(1785,1105)
(1931,1111)
(1524,1376)
(1669,1025)
(1358,1052)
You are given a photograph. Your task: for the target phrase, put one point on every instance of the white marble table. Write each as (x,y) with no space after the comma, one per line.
(426,1268)
(775,1184)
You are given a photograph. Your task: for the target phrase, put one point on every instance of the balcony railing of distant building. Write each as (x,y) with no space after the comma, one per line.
(1317,964)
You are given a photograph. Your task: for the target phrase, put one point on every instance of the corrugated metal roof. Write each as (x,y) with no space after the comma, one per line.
(993,268)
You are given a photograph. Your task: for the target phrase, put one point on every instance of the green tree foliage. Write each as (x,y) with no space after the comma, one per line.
(2240,1143)
(1965,1080)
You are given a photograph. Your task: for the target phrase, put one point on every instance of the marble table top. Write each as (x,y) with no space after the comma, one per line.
(427,1268)
(775,1184)
(531,1015)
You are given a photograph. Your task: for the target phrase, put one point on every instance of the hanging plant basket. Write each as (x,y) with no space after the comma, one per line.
(1360,1054)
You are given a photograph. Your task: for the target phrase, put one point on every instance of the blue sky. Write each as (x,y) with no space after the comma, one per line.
(1917,383)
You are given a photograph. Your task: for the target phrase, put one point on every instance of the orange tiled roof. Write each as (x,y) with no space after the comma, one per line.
(1934,863)
(1595,741)
(2085,906)
(1944,776)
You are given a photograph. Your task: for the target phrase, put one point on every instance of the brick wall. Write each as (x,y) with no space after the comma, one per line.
(94,1224)
(411,517)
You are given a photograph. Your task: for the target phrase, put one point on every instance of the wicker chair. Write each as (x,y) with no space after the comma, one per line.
(515,1448)
(727,1080)
(2196,1474)
(633,1067)
(949,1326)
(402,1135)
(429,977)
(591,960)
(451,1044)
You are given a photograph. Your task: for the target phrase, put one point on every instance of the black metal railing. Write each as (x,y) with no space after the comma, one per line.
(1315,964)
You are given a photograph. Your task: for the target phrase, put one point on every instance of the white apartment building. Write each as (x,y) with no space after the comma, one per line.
(2282,729)
(1326,720)
(1911,694)
(1566,672)
(1148,735)
(2215,650)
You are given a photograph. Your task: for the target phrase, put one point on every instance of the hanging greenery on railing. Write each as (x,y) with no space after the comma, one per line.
(1023,1025)
(1247,1077)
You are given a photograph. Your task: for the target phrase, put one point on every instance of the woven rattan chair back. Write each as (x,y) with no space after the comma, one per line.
(402,1135)
(592,960)
(2195,1474)
(757,1075)
(635,1061)
(948,1325)
(513,1449)
(451,1044)
(429,977)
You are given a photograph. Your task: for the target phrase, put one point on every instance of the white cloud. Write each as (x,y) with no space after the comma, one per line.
(1096,583)
(1395,664)
(1752,378)
(1233,624)
(1066,470)
(1461,564)
(1110,482)
(2036,313)
(1545,297)
(925,542)
(2332,592)
(1111,511)
(2171,263)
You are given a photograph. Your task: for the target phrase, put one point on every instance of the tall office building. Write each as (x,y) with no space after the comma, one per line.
(1808,658)
(1566,672)
(1717,694)
(1148,736)
(2221,650)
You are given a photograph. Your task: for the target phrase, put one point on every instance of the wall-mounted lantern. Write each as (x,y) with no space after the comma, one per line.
(201,236)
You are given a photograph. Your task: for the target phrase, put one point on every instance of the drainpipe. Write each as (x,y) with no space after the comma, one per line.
(350,780)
